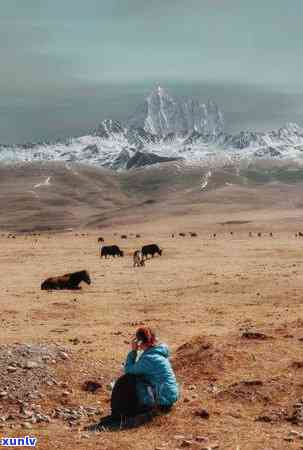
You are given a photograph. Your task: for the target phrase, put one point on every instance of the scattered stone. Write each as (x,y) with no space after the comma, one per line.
(11,369)
(297,365)
(294,433)
(202,413)
(31,365)
(27,413)
(201,438)
(252,382)
(186,443)
(264,418)
(10,417)
(66,393)
(254,335)
(91,386)
(27,425)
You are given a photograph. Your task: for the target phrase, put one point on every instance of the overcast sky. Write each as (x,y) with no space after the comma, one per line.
(54,48)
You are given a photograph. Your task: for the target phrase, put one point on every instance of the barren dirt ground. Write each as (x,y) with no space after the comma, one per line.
(201,296)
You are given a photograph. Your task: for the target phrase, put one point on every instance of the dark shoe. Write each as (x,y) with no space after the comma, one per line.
(138,420)
(106,424)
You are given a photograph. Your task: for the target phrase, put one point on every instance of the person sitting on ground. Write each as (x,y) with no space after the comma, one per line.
(156,381)
(147,388)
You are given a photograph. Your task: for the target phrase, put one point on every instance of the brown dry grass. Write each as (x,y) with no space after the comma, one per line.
(200,296)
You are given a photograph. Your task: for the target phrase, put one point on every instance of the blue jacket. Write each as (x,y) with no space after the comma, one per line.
(156,379)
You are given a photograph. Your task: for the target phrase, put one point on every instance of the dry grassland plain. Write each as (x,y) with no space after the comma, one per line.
(201,297)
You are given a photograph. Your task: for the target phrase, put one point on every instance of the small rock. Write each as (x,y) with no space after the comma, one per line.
(27,413)
(91,386)
(265,419)
(254,335)
(294,433)
(10,417)
(297,364)
(26,425)
(11,369)
(31,365)
(201,438)
(203,413)
(66,393)
(186,443)
(64,355)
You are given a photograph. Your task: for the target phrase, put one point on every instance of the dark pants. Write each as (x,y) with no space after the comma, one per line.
(124,400)
(126,409)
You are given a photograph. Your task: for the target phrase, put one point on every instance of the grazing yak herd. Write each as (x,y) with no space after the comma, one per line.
(139,256)
(72,280)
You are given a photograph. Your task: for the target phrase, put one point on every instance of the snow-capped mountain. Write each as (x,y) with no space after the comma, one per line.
(162,115)
(164,129)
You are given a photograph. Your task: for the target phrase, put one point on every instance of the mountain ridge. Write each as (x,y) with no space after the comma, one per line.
(164,129)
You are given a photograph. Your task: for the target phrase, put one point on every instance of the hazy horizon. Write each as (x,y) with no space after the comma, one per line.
(76,112)
(67,65)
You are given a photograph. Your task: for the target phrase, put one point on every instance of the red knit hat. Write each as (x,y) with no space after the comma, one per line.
(146,335)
